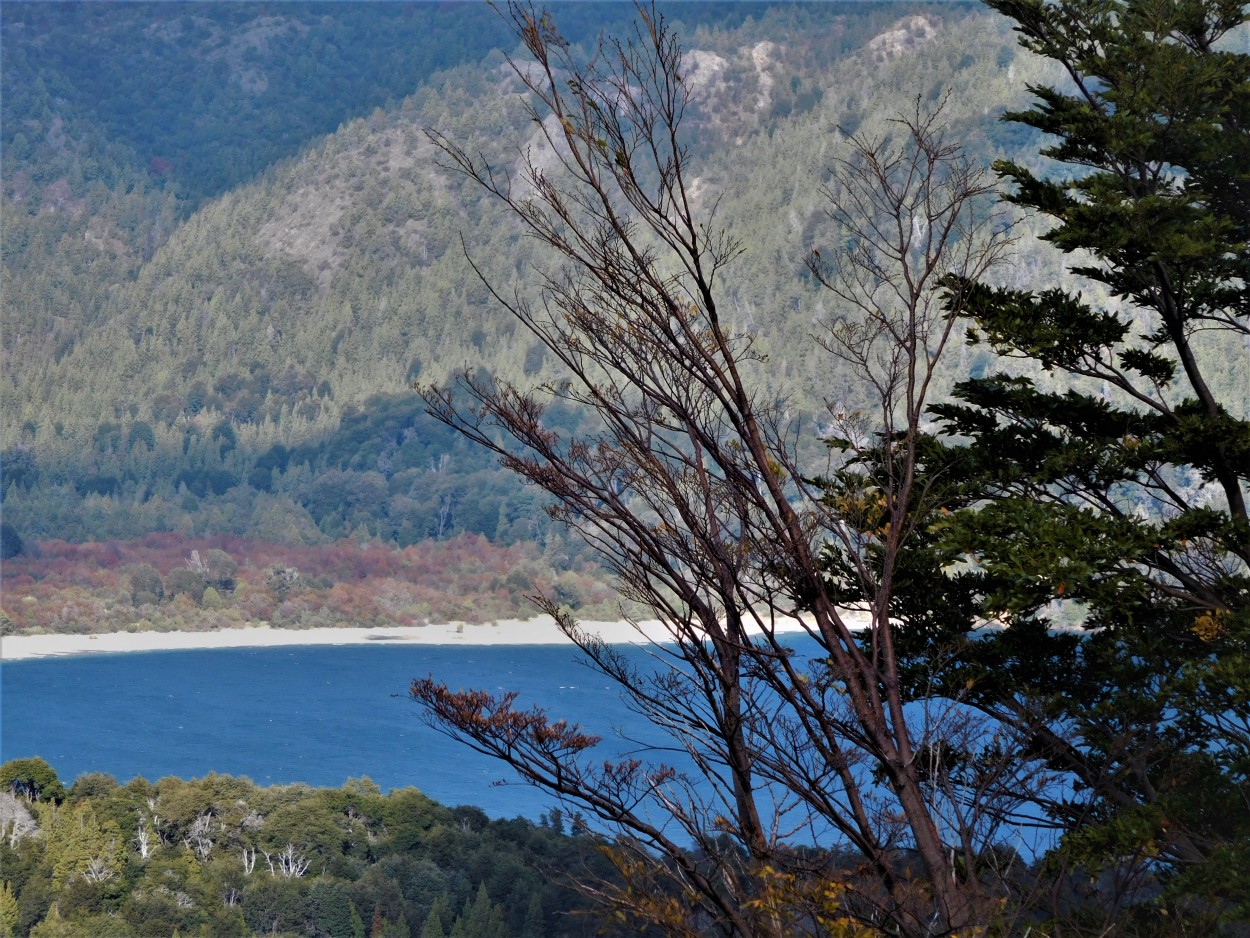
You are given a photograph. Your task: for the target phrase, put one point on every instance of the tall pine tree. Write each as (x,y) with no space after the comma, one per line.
(1104,479)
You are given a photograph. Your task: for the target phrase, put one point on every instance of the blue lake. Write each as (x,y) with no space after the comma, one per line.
(304,714)
(294,714)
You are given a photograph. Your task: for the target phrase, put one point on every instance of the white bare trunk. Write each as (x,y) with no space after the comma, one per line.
(143,838)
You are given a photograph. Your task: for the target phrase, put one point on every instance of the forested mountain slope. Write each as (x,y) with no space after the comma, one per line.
(185,324)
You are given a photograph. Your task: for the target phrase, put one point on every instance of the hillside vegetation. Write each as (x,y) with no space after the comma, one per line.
(209,306)
(165,582)
(220,856)
(229,249)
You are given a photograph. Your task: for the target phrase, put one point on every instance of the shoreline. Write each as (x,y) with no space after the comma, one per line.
(541,630)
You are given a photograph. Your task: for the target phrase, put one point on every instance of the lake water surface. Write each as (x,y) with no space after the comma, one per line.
(293,714)
(318,715)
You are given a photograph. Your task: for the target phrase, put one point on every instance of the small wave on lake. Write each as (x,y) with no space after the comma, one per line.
(318,715)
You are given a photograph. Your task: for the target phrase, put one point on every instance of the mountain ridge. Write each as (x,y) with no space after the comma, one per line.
(167,359)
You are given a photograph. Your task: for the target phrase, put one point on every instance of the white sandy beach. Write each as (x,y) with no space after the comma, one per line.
(538,631)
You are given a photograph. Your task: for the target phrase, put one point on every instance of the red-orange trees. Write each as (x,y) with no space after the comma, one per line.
(692,493)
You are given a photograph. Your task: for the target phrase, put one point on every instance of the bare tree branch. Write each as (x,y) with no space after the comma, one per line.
(692,492)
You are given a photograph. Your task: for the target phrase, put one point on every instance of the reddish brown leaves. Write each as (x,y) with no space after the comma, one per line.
(497,725)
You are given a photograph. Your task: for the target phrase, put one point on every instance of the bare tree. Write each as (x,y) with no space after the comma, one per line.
(143,837)
(199,838)
(691,491)
(290,865)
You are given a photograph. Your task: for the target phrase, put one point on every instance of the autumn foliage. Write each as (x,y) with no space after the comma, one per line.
(109,586)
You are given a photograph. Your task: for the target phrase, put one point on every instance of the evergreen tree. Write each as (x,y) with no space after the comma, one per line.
(10,912)
(533,926)
(433,927)
(146,585)
(1119,501)
(481,918)
(10,541)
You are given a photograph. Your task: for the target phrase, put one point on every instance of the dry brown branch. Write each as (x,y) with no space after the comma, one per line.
(692,492)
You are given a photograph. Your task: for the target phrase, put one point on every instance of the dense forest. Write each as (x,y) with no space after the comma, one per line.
(229,249)
(785,316)
(220,856)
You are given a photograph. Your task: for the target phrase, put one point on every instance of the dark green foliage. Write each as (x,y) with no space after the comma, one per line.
(533,927)
(433,927)
(10,541)
(409,816)
(204,483)
(146,585)
(31,778)
(98,485)
(330,905)
(1118,501)
(198,877)
(141,434)
(224,433)
(219,569)
(18,467)
(193,121)
(481,918)
(92,785)
(185,581)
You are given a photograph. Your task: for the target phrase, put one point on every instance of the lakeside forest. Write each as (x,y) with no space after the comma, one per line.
(220,856)
(737,315)
(229,251)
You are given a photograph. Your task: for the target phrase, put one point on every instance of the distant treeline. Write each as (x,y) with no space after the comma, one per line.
(387,471)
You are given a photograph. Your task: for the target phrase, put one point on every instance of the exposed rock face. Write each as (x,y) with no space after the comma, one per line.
(706,73)
(907,36)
